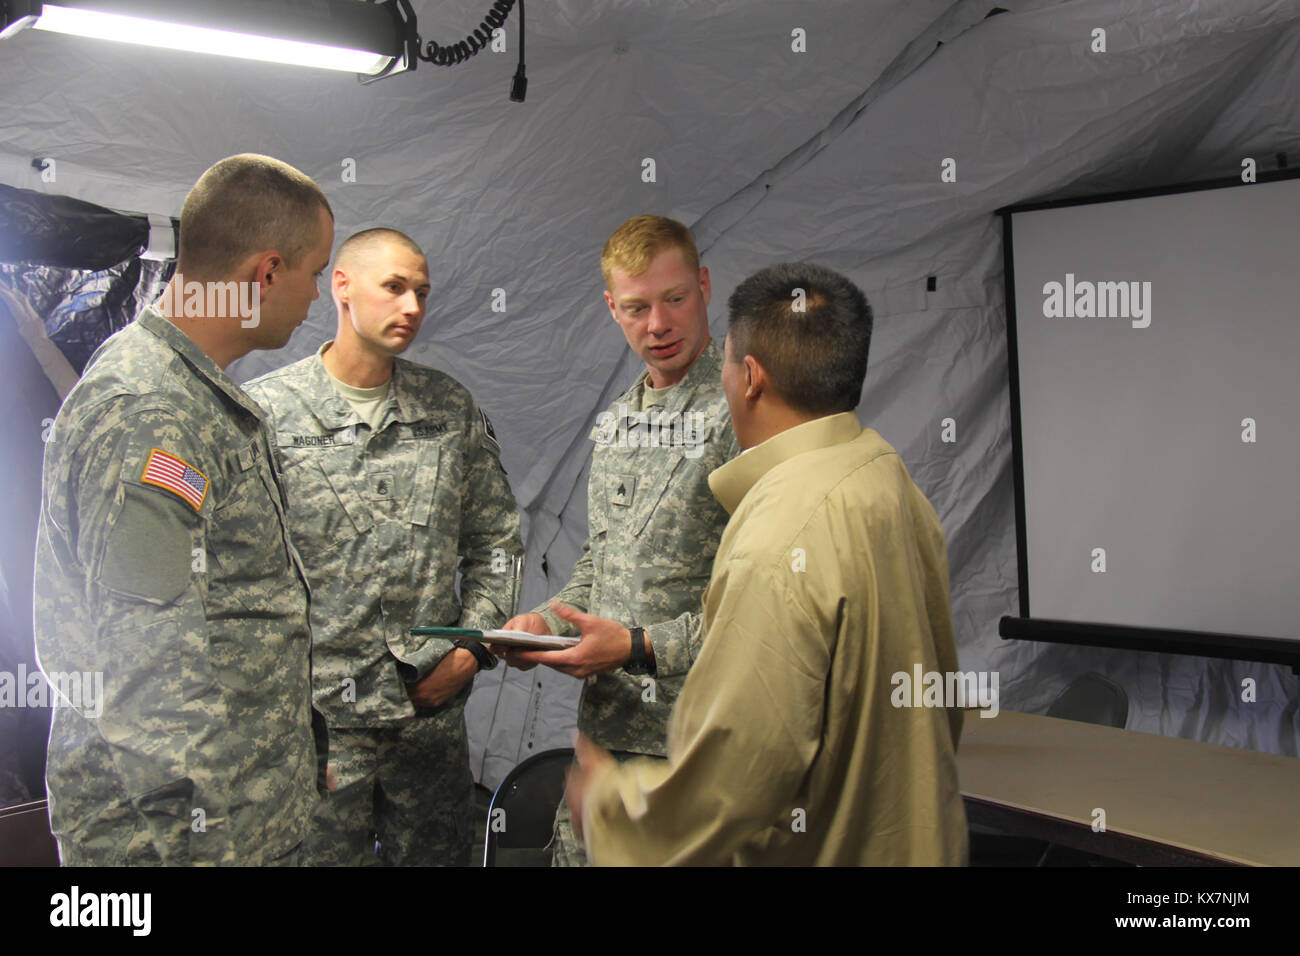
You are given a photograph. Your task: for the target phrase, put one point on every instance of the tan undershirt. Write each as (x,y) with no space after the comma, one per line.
(654,396)
(367,402)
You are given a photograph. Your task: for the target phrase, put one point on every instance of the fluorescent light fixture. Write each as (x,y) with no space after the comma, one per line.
(352,36)
(180,36)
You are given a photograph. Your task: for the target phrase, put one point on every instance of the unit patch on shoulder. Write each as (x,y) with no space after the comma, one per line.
(179,477)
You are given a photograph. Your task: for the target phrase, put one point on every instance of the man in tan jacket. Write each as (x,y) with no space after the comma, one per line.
(790,743)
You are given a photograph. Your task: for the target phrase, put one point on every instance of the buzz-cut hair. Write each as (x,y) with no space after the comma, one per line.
(810,329)
(633,246)
(244,205)
(361,244)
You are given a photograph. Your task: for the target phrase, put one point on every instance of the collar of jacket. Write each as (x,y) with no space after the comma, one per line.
(732,481)
(153,321)
(404,403)
(706,370)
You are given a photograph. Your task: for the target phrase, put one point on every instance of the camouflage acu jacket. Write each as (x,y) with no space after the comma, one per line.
(653,528)
(381,519)
(164,564)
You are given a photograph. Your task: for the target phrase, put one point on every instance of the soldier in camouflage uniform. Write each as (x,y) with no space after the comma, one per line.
(653,524)
(393,472)
(164,560)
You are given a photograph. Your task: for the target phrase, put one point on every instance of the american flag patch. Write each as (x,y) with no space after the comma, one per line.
(168,471)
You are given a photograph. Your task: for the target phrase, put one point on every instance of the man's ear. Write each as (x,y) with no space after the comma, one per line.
(609,301)
(339,285)
(706,289)
(755,378)
(266,270)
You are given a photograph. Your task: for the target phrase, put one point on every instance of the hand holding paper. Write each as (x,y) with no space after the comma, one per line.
(603,646)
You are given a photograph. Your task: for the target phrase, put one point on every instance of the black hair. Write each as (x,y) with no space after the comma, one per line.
(810,329)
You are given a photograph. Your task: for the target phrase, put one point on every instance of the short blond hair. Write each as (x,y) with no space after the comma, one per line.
(247,204)
(633,246)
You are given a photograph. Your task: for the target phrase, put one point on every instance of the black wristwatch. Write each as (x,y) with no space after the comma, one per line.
(486,659)
(637,662)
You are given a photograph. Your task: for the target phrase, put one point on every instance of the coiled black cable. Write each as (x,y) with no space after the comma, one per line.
(451,54)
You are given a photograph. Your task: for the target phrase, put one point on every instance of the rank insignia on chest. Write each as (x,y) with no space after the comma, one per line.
(381,485)
(622,489)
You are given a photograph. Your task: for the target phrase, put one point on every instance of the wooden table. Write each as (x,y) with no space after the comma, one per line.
(1167,801)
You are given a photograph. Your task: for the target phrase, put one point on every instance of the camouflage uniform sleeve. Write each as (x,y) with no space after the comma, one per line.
(676,643)
(489,531)
(577,593)
(137,541)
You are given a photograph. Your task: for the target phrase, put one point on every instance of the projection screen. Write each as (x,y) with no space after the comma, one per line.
(1156,355)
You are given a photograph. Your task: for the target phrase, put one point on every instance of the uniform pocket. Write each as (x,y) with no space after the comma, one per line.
(655,493)
(325,507)
(246,555)
(149,551)
(425,490)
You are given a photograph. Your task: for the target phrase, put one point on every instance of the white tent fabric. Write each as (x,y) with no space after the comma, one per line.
(832,155)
